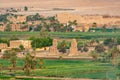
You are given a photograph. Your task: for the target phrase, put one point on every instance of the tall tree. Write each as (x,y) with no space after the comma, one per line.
(44,33)
(62,46)
(100,48)
(8,28)
(21,47)
(41,42)
(11,55)
(29,63)
(25,8)
(94,55)
(110,42)
(115,52)
(13,59)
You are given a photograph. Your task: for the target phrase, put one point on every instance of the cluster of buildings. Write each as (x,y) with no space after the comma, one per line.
(52,50)
(73,51)
(15,44)
(84,23)
(15,22)
(87,21)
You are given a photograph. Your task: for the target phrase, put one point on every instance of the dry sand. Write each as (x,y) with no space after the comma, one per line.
(111,7)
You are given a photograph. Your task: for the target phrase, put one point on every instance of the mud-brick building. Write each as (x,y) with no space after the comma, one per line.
(16,18)
(19,27)
(2,27)
(17,43)
(3,46)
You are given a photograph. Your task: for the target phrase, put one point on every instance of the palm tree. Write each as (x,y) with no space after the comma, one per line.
(72,22)
(93,42)
(13,59)
(6,55)
(41,63)
(69,27)
(105,57)
(21,47)
(44,33)
(100,48)
(29,63)
(114,54)
(94,25)
(1,68)
(62,46)
(25,8)
(94,55)
(11,56)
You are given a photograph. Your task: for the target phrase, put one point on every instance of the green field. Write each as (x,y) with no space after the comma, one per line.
(66,68)
(69,69)
(82,35)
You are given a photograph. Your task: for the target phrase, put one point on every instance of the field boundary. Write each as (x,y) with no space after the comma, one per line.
(56,78)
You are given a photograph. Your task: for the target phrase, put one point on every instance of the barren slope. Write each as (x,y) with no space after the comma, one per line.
(81,6)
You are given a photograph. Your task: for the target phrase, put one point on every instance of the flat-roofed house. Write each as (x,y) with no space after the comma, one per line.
(17,18)
(17,43)
(2,27)
(88,19)
(83,28)
(3,45)
(19,27)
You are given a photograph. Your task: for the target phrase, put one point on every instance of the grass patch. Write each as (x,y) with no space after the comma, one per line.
(81,35)
(70,69)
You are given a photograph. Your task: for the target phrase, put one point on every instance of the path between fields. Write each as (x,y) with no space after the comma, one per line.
(56,78)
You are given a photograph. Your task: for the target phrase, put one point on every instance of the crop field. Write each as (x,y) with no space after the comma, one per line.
(77,35)
(67,69)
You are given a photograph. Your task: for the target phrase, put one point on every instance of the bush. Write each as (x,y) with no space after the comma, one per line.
(41,63)
(62,46)
(85,49)
(111,42)
(60,57)
(25,8)
(94,55)
(41,42)
(100,48)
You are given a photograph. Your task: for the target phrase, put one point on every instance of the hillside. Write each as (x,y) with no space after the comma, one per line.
(81,6)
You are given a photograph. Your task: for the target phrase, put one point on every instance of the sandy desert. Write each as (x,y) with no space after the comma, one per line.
(111,7)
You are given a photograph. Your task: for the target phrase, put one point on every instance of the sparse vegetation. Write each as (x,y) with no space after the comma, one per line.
(25,8)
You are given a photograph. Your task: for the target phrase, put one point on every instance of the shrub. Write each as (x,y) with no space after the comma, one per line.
(85,49)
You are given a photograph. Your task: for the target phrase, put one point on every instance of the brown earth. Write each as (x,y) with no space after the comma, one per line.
(81,6)
(56,78)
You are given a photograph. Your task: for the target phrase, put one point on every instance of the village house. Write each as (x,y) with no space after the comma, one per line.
(16,18)
(18,27)
(34,23)
(88,19)
(17,43)
(3,47)
(2,27)
(82,28)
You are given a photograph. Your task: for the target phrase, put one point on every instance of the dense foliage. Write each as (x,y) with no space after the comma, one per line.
(25,8)
(111,42)
(4,40)
(63,45)
(3,17)
(41,42)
